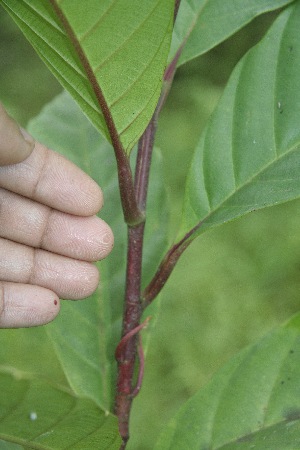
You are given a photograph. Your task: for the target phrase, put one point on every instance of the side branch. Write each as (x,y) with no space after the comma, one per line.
(166,267)
(131,211)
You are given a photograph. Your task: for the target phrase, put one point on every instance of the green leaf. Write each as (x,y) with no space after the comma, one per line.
(248,158)
(206,23)
(9,446)
(253,402)
(86,333)
(109,55)
(40,415)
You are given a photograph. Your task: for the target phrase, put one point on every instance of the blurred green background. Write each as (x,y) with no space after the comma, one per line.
(234,283)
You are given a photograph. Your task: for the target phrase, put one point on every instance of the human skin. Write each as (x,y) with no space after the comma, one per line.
(49,232)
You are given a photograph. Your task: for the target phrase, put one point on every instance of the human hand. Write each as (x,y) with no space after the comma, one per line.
(49,234)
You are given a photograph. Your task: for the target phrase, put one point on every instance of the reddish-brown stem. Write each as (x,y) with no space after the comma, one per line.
(127,349)
(131,320)
(164,271)
(143,163)
(177,4)
(129,335)
(133,308)
(146,143)
(166,267)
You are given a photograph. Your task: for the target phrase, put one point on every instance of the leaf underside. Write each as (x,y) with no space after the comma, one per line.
(36,414)
(115,47)
(253,402)
(248,158)
(203,24)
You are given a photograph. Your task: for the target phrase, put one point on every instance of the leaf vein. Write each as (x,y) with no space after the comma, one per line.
(251,180)
(118,49)
(136,80)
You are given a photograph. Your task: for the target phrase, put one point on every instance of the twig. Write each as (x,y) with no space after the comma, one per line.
(166,267)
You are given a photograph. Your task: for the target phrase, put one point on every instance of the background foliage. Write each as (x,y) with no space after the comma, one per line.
(230,286)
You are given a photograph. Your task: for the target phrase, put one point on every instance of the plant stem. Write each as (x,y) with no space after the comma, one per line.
(143,163)
(127,349)
(164,271)
(131,319)
(126,352)
(176,8)
(166,267)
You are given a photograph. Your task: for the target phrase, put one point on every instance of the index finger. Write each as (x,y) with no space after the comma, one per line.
(49,178)
(14,145)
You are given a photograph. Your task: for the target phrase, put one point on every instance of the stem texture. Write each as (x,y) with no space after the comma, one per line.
(126,355)
(130,344)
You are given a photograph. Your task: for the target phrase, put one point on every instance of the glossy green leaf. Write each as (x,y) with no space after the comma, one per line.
(203,24)
(252,403)
(249,156)
(86,333)
(40,415)
(109,55)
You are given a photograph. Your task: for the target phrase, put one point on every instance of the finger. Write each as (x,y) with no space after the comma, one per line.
(48,178)
(15,145)
(69,278)
(30,223)
(23,305)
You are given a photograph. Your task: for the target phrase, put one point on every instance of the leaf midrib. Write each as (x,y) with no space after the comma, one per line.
(114,135)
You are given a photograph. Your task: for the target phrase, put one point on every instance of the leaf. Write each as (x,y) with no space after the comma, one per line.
(109,55)
(28,350)
(86,333)
(248,158)
(252,402)
(206,23)
(9,446)
(37,414)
